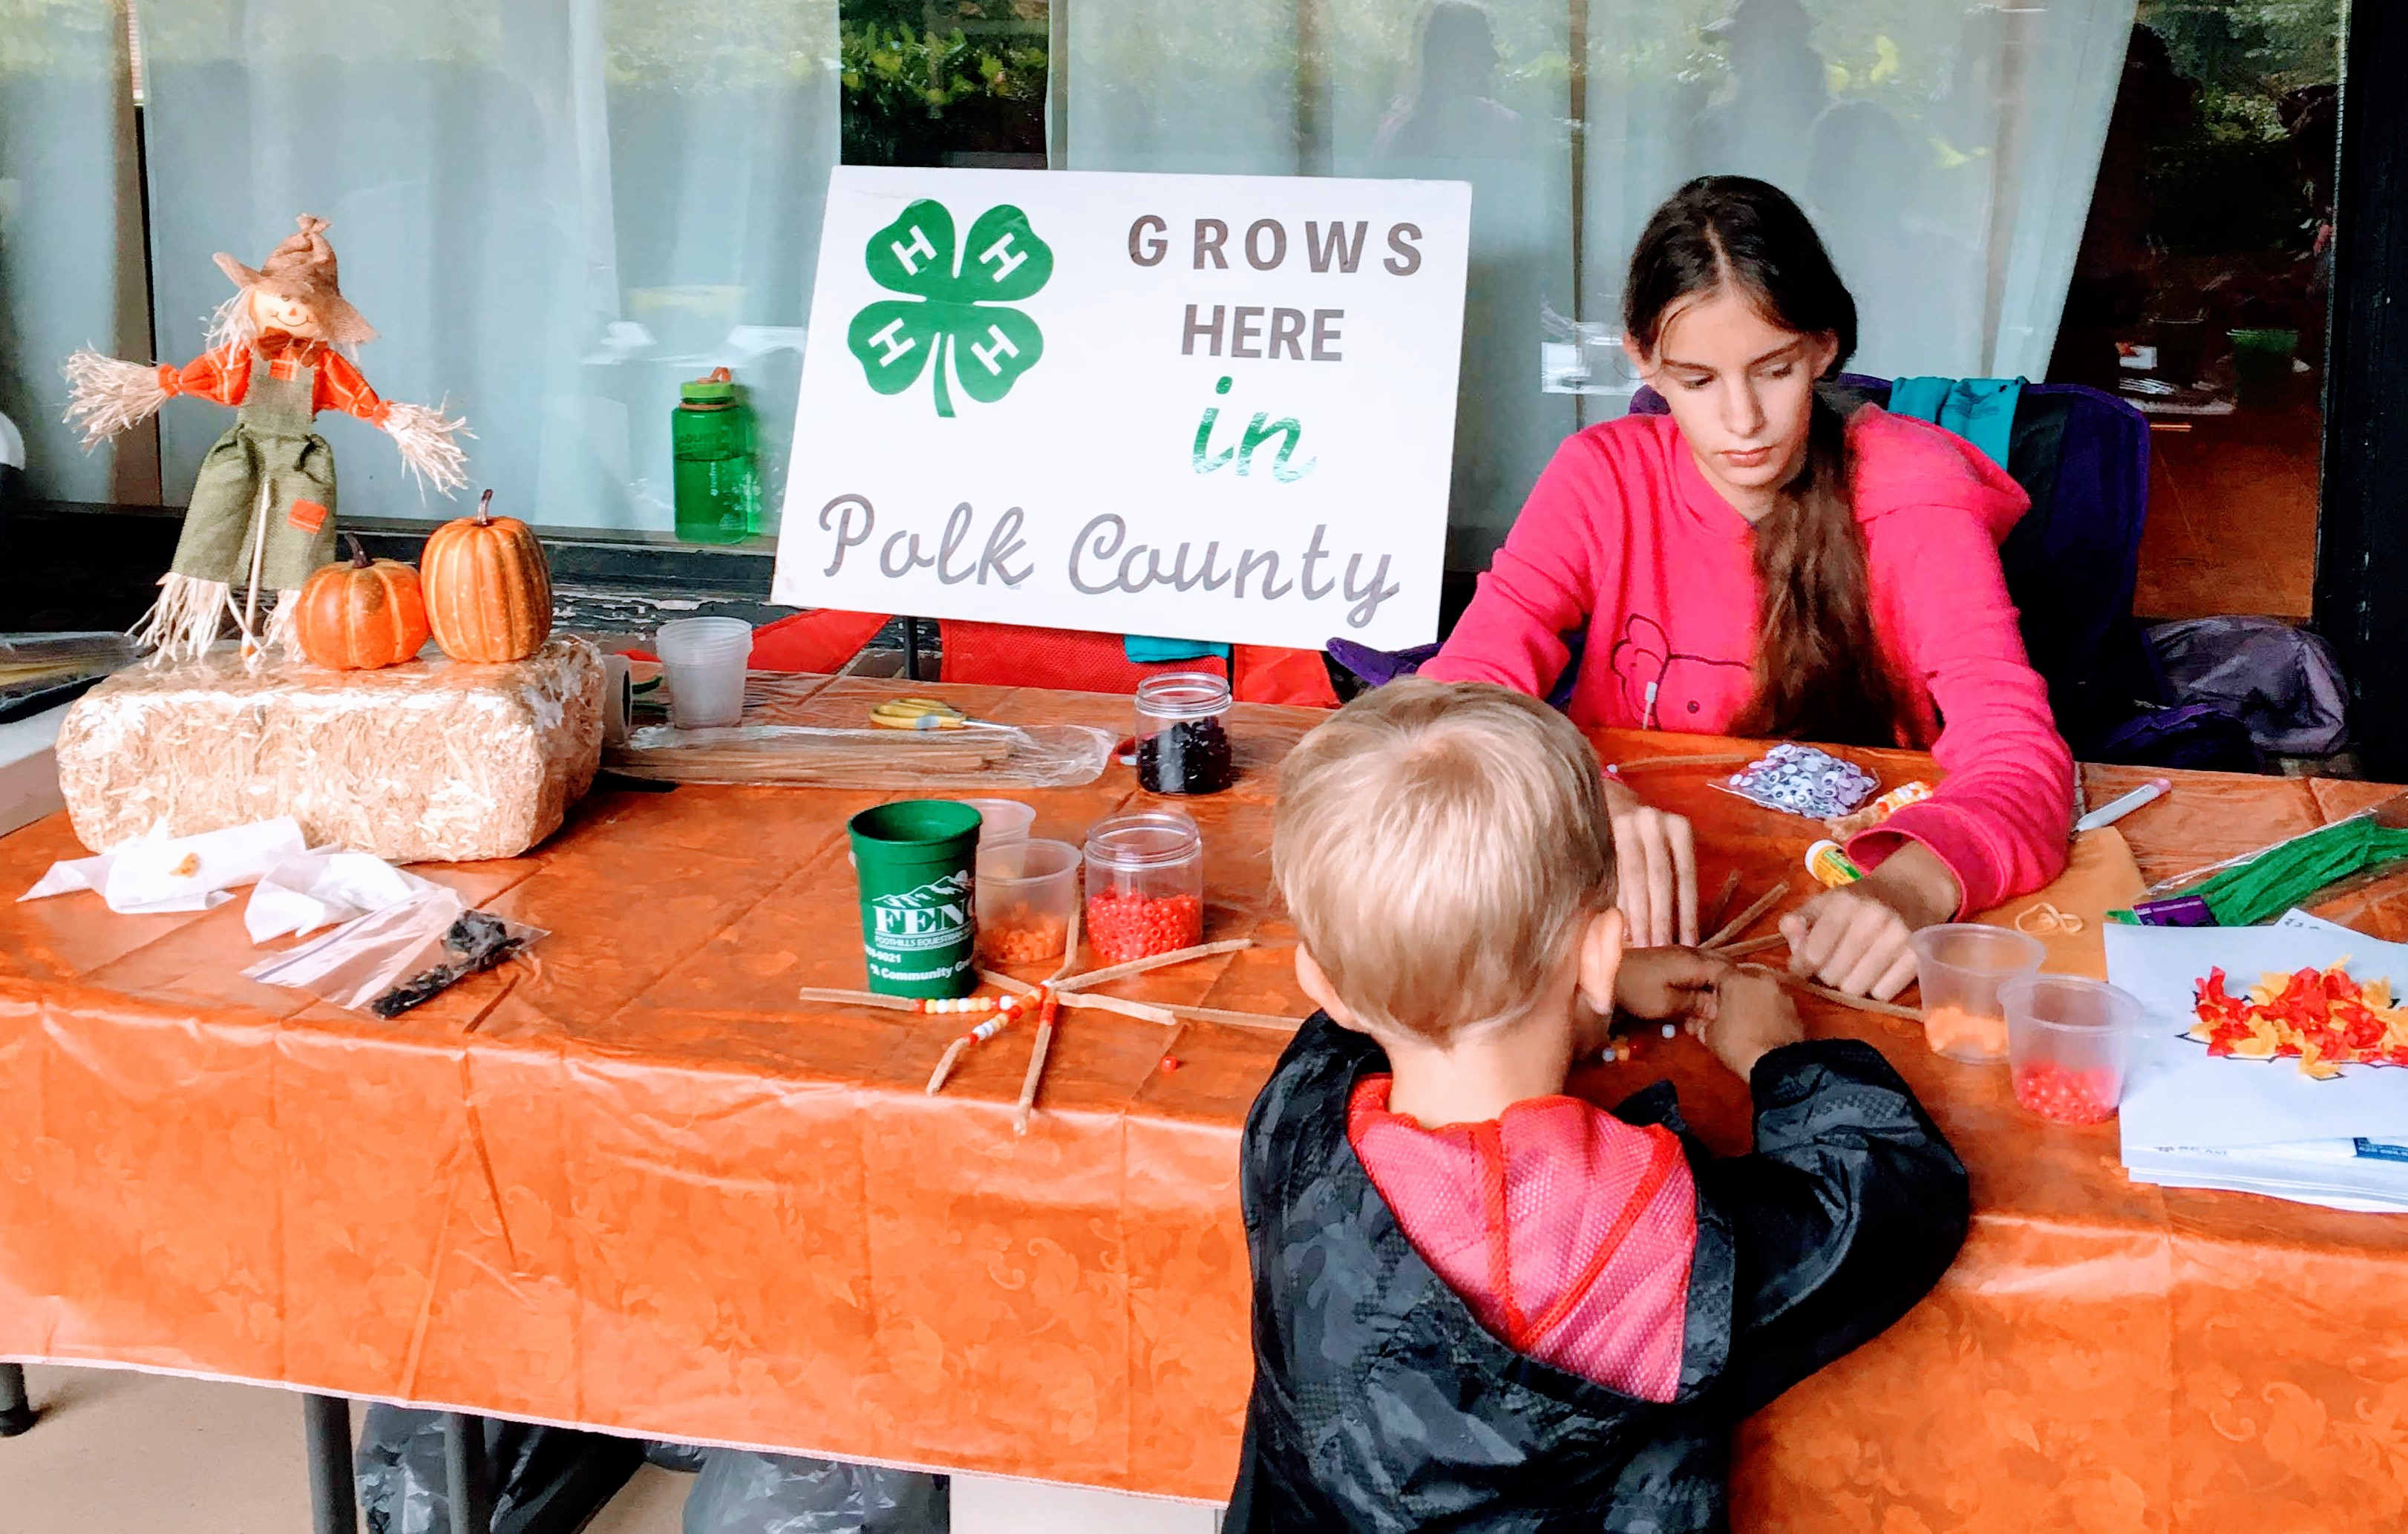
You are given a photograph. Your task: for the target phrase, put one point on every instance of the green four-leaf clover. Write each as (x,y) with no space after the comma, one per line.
(957,314)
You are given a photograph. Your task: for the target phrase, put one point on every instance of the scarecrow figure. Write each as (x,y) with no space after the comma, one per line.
(263,509)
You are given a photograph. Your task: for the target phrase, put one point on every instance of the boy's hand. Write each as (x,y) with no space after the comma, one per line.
(1752,1016)
(1665,984)
(1661,984)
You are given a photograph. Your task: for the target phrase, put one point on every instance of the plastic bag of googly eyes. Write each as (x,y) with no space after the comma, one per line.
(1803,781)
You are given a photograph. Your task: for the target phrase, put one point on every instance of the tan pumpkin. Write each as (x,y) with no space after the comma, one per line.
(488,587)
(358,615)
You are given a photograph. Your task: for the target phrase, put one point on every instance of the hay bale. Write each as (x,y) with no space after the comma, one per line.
(430,761)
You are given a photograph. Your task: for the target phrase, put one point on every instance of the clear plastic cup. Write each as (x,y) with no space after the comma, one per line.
(703,661)
(1002,820)
(1959,967)
(2069,1043)
(1027,887)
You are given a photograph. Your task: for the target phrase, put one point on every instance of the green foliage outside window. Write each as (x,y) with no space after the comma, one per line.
(924,83)
(2236,178)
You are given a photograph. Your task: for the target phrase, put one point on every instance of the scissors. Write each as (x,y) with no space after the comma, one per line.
(919,713)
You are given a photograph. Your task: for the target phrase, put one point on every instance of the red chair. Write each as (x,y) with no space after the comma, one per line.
(820,640)
(1007,654)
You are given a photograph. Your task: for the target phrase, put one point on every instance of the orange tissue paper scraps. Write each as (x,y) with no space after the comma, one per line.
(1953,1030)
(2322,1018)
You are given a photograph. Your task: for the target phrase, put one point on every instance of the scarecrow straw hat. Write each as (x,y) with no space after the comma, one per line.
(303,268)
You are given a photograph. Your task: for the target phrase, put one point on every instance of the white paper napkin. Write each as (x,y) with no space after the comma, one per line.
(319,889)
(160,873)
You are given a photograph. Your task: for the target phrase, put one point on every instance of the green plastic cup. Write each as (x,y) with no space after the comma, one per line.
(2261,365)
(916,861)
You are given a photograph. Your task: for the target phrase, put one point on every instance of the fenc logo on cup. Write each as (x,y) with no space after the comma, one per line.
(957,314)
(931,916)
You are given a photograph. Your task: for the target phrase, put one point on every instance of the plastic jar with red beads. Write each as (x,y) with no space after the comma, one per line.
(1145,886)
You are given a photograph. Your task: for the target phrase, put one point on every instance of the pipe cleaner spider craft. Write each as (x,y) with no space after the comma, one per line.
(262,516)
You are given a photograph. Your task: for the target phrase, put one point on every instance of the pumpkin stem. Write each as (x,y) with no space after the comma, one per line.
(486,508)
(360,560)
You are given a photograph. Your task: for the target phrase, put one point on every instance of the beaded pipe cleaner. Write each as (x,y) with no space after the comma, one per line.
(970,1005)
(1021,997)
(1005,1010)
(1066,993)
(1048,1008)
(1062,993)
(1036,1061)
(1163,1012)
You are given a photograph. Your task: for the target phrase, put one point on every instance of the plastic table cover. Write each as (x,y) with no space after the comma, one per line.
(628,1183)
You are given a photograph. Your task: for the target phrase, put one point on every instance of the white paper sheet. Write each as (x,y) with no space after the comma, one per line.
(160,873)
(2344,1202)
(319,889)
(2179,1096)
(2315,1171)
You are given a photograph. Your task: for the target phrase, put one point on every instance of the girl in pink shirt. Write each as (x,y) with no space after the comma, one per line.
(1758,563)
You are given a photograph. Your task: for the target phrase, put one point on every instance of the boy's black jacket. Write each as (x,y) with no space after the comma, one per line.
(1380,1402)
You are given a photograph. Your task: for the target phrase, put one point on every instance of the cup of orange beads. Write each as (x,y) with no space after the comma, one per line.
(2069,1041)
(1026,890)
(1961,966)
(1145,884)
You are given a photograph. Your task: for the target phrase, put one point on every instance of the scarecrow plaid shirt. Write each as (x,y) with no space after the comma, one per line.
(224,376)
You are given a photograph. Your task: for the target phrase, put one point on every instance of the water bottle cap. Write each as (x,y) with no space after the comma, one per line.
(716,389)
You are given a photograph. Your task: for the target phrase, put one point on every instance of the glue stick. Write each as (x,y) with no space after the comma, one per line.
(1830,866)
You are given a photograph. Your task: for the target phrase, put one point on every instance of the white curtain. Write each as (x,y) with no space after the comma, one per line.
(66,245)
(554,211)
(1946,150)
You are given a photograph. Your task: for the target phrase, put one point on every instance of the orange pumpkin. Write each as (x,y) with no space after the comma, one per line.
(359,614)
(488,588)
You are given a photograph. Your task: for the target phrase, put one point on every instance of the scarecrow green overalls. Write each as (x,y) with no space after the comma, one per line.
(270,446)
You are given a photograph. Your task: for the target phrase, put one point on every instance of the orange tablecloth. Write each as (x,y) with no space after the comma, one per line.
(632,1185)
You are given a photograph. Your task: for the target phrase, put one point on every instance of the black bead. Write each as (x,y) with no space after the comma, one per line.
(1191,756)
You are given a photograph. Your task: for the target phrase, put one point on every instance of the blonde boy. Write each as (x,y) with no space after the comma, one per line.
(1479,1301)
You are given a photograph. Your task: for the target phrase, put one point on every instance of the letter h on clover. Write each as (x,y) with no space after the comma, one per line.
(957,312)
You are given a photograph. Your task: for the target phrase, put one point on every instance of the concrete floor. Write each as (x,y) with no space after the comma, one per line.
(120,1453)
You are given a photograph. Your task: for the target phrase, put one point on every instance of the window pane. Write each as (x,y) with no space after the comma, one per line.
(945,82)
(555,211)
(62,108)
(2201,288)
(1931,144)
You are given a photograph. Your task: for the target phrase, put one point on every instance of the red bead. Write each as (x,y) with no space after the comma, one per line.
(1170,1062)
(2067,1096)
(1125,925)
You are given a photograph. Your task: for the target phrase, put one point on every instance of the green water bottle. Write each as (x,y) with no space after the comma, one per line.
(718,488)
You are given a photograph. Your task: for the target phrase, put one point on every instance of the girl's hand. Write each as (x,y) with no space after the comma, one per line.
(1853,938)
(1656,862)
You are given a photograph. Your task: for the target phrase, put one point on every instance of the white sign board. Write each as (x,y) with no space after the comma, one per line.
(1198,406)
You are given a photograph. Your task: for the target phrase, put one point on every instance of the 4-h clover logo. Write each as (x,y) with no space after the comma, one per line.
(957,316)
